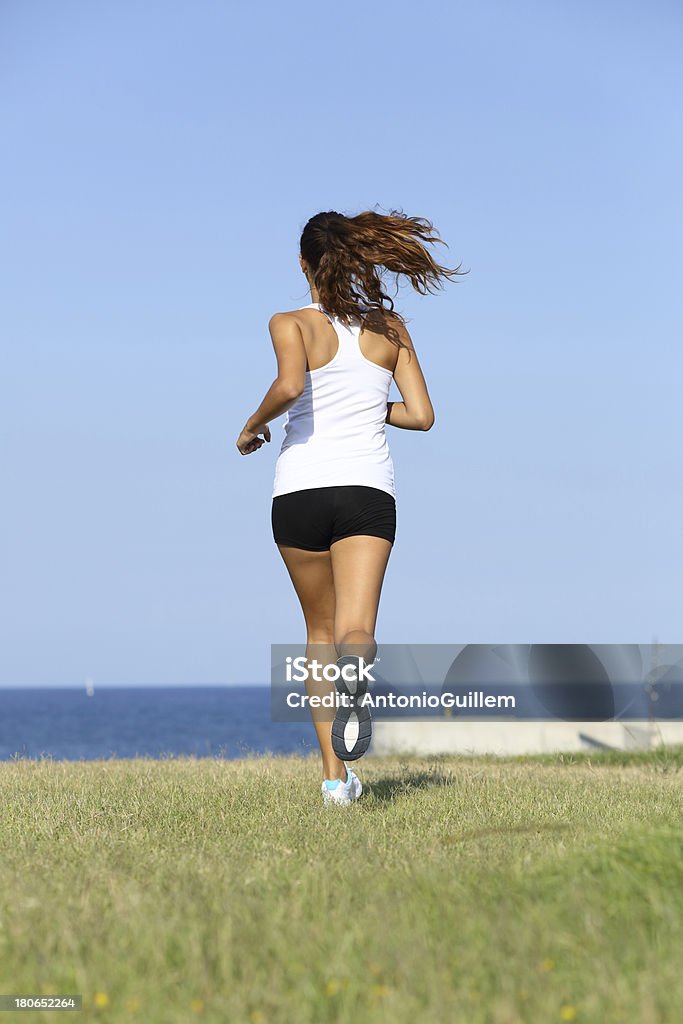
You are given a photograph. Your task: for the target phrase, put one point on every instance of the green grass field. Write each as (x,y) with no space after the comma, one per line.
(458,889)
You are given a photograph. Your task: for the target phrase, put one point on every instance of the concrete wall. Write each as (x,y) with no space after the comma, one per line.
(468,737)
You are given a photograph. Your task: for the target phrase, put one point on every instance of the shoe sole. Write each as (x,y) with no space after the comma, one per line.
(354,707)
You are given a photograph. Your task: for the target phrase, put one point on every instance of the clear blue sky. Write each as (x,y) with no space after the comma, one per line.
(160,160)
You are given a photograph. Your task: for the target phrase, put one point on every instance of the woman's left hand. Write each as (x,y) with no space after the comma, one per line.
(249,440)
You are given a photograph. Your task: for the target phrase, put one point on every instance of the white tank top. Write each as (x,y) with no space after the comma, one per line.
(334,432)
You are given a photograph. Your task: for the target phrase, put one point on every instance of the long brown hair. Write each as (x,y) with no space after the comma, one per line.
(346,257)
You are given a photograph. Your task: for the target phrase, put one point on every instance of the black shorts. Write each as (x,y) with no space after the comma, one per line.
(315,518)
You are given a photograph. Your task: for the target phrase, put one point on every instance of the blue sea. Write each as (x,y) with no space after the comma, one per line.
(154,721)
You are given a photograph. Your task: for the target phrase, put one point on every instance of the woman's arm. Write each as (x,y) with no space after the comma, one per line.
(415,412)
(290,352)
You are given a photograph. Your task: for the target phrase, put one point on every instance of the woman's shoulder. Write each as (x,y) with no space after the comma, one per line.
(387,323)
(291,314)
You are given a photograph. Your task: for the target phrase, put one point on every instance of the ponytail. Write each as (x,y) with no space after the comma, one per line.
(346,256)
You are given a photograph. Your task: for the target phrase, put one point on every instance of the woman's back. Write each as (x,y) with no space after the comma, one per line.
(335,431)
(321,340)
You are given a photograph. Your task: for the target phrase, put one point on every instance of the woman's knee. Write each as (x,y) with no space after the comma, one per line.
(354,640)
(320,636)
(320,630)
(347,631)
(320,645)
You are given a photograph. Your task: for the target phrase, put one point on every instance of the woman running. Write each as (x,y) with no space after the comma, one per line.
(334,507)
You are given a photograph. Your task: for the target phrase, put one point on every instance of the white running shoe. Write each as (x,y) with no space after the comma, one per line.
(342,792)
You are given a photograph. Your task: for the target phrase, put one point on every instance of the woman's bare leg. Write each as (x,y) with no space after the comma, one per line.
(311,574)
(358,567)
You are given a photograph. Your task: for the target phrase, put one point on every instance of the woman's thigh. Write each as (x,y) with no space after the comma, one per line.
(358,566)
(311,575)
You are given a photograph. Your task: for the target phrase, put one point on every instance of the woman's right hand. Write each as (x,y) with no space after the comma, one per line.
(249,440)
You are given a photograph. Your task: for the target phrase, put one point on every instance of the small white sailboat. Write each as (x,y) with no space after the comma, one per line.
(89,688)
